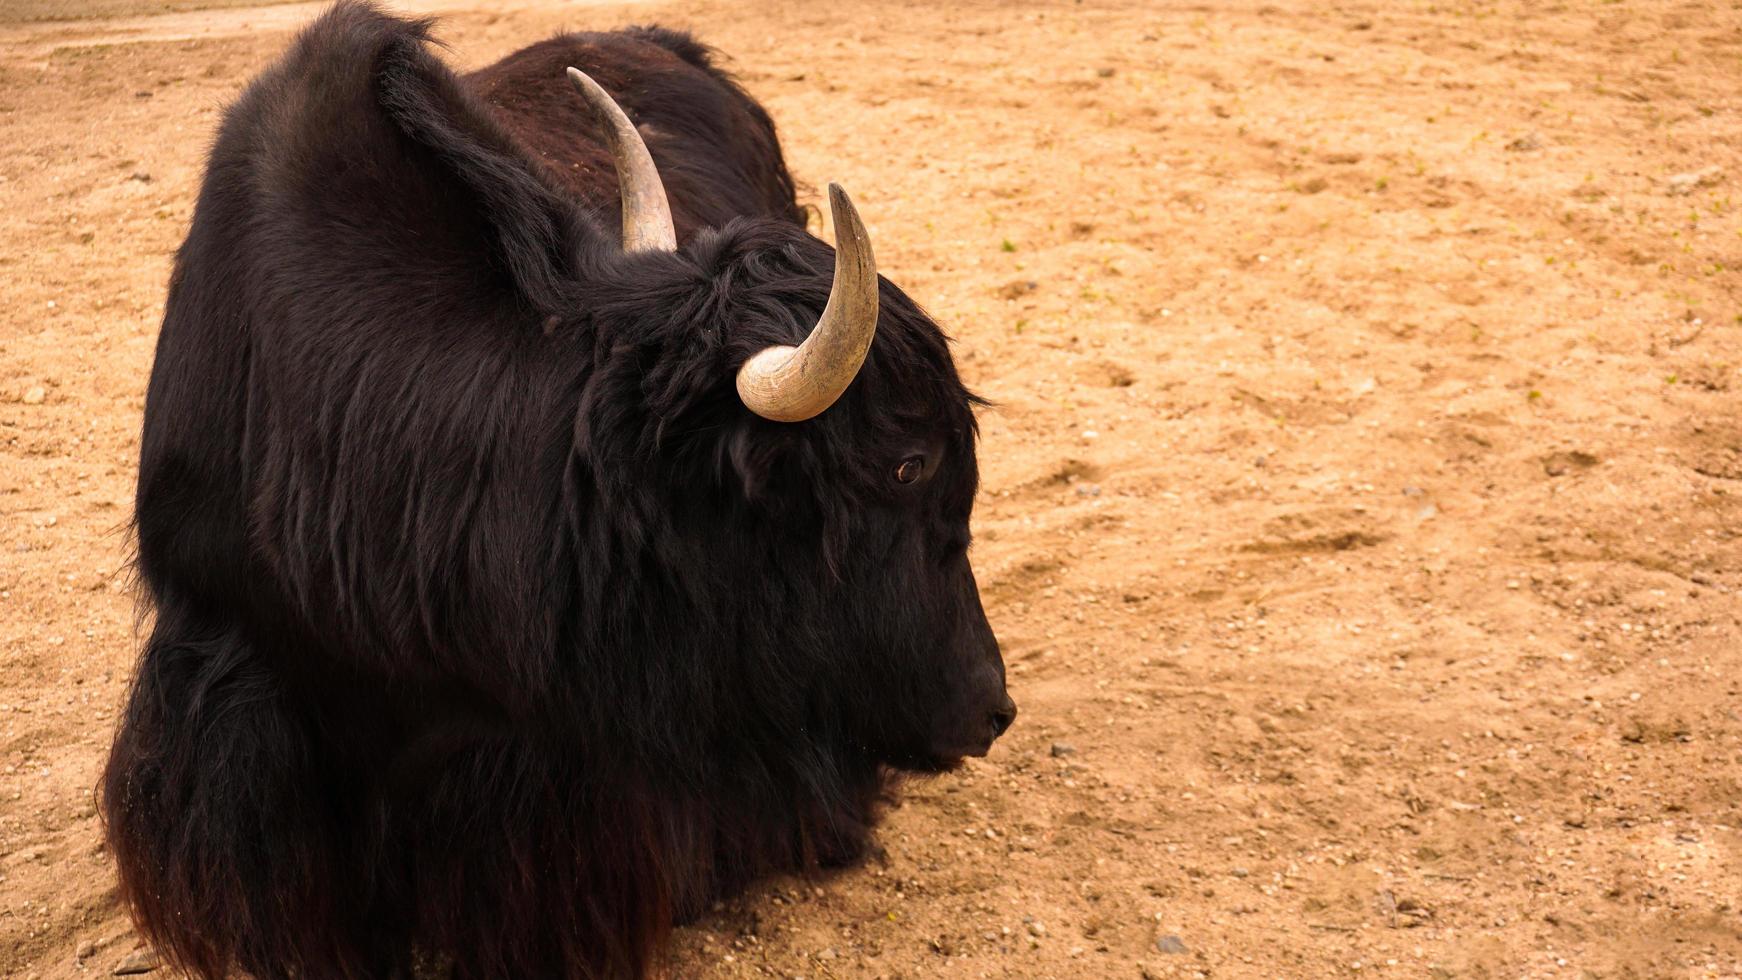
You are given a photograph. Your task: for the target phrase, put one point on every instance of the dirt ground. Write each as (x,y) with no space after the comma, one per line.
(1361,502)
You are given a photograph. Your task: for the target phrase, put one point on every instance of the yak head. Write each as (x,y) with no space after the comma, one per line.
(825,417)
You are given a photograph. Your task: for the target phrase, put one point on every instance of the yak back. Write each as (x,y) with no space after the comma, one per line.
(715,147)
(353,387)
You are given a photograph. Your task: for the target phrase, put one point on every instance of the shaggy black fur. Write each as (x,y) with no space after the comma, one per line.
(490,628)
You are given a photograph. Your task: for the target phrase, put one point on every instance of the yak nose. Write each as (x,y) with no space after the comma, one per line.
(1002,716)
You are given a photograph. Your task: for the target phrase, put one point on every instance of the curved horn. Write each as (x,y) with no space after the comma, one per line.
(791,384)
(647,224)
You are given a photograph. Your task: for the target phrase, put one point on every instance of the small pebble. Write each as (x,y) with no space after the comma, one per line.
(1171,945)
(35,395)
(1062,749)
(141,960)
(1688,182)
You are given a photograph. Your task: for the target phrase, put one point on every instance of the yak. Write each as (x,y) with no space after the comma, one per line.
(542,534)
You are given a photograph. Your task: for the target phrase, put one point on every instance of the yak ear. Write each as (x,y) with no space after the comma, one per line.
(377,157)
(765,462)
(754,455)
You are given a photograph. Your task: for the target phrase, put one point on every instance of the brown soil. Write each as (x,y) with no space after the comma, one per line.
(1362,497)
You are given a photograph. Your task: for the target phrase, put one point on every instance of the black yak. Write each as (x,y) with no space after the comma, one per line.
(518,587)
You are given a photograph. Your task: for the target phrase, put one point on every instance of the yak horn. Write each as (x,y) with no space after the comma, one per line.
(647,225)
(791,384)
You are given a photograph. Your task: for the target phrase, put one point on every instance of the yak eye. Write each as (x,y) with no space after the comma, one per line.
(910,469)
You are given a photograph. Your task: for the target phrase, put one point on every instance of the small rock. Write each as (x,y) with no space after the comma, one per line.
(1241,872)
(141,960)
(1036,929)
(1680,184)
(1088,490)
(85,950)
(1171,945)
(1525,143)
(1414,913)
(35,395)
(1104,72)
(141,176)
(1062,749)
(1559,464)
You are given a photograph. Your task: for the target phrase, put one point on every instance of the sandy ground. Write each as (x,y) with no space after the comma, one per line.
(1362,497)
